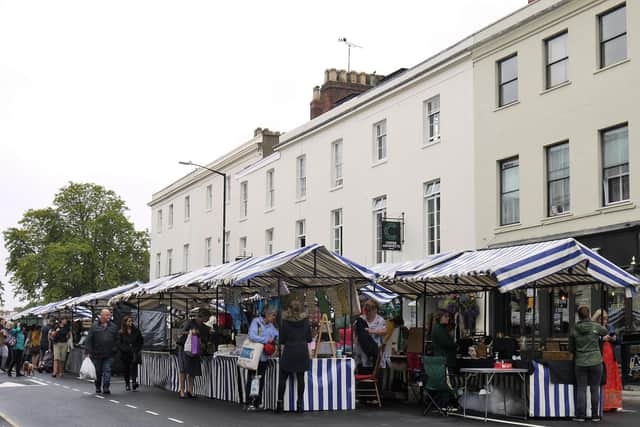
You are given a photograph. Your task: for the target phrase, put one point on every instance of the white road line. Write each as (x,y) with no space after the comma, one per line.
(99,397)
(65,386)
(513,423)
(176,421)
(131,406)
(87,393)
(152,413)
(113,401)
(56,384)
(36,381)
(75,389)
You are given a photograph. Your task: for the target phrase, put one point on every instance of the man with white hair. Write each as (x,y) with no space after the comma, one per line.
(101,345)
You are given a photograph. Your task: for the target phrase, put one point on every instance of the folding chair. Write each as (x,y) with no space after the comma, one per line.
(435,383)
(367,385)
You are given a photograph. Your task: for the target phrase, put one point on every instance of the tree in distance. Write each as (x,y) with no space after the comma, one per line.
(83,243)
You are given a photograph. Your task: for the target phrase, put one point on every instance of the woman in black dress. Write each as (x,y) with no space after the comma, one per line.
(130,345)
(295,335)
(190,363)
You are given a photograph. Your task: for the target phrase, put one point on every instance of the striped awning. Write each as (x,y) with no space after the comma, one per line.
(555,263)
(100,297)
(378,293)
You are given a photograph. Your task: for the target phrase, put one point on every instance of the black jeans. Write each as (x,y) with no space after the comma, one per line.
(262,368)
(16,360)
(588,376)
(130,368)
(282,382)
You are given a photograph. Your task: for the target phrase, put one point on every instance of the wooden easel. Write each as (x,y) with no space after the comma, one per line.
(325,323)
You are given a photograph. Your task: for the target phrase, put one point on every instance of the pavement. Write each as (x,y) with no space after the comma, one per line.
(45,401)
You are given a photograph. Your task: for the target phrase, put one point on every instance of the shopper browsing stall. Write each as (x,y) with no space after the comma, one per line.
(612,399)
(370,327)
(189,361)
(263,331)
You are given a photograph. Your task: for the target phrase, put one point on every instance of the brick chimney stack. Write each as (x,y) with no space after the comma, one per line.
(339,84)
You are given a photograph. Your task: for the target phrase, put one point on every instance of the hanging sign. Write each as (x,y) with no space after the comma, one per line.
(391,235)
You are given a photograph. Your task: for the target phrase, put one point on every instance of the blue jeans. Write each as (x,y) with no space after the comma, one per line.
(103,372)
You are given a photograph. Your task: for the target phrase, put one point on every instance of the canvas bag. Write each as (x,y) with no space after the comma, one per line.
(249,356)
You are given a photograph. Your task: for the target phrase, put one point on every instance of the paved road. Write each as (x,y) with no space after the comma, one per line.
(44,401)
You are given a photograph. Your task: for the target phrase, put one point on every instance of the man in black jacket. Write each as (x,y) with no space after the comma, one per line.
(100,345)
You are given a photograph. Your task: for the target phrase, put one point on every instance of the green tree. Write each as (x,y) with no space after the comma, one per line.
(83,243)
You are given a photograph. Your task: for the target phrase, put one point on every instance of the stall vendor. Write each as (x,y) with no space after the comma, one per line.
(370,327)
(442,341)
(263,331)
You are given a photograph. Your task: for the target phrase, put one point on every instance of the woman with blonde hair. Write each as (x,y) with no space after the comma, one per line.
(295,335)
(612,399)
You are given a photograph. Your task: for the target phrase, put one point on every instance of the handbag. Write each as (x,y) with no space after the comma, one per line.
(186,347)
(192,345)
(249,356)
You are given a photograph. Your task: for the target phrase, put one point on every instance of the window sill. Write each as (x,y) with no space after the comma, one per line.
(300,200)
(556,87)
(431,143)
(336,188)
(269,210)
(617,206)
(243,219)
(566,216)
(614,65)
(508,227)
(187,220)
(379,163)
(504,107)
(208,210)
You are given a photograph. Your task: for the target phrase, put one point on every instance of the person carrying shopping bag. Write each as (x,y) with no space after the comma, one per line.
(100,346)
(263,331)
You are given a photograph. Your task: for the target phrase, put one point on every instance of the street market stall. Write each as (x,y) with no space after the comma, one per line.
(556,264)
(330,382)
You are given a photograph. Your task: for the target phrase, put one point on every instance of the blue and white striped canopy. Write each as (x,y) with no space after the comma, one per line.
(378,293)
(100,297)
(555,263)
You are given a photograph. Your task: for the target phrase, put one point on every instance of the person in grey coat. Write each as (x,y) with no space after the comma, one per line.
(295,335)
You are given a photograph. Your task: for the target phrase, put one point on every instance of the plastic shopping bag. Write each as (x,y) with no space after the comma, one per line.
(87,370)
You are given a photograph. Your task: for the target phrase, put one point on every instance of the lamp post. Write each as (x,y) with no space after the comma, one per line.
(224,203)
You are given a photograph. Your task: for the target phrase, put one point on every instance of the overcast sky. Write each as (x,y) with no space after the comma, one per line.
(117,92)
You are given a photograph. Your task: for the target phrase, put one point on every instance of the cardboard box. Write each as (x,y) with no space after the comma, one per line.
(414,340)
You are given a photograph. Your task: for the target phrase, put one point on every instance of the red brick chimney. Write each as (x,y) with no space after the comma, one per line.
(338,85)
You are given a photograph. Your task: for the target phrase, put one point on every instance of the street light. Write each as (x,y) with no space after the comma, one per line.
(224,203)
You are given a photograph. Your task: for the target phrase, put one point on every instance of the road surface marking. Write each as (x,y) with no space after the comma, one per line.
(175,421)
(36,381)
(513,423)
(56,384)
(87,393)
(113,401)
(10,384)
(131,406)
(75,389)
(151,412)
(99,397)
(65,386)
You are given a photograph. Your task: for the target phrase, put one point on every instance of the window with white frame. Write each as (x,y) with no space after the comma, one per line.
(508,80)
(379,213)
(509,191)
(158,265)
(380,141)
(336,164)
(558,189)
(268,241)
(227,246)
(209,197)
(336,231)
(244,199)
(207,251)
(270,190)
(159,218)
(170,219)
(615,164)
(301,176)
(557,59)
(301,233)
(169,261)
(187,208)
(243,247)
(185,258)
(432,216)
(432,120)
(227,184)
(613,36)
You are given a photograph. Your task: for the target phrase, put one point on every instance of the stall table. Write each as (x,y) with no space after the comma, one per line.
(490,374)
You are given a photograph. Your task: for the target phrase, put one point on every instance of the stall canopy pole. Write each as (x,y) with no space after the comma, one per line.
(138,308)
(170,321)
(279,318)
(424,317)
(533,327)
(603,295)
(486,313)
(351,312)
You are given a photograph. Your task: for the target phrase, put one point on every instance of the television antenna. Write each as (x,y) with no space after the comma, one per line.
(349,46)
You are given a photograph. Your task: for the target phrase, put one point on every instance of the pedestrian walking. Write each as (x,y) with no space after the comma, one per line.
(585,345)
(189,364)
(100,346)
(60,336)
(129,346)
(295,336)
(18,350)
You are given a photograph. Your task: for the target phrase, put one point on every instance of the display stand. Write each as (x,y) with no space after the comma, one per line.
(325,323)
